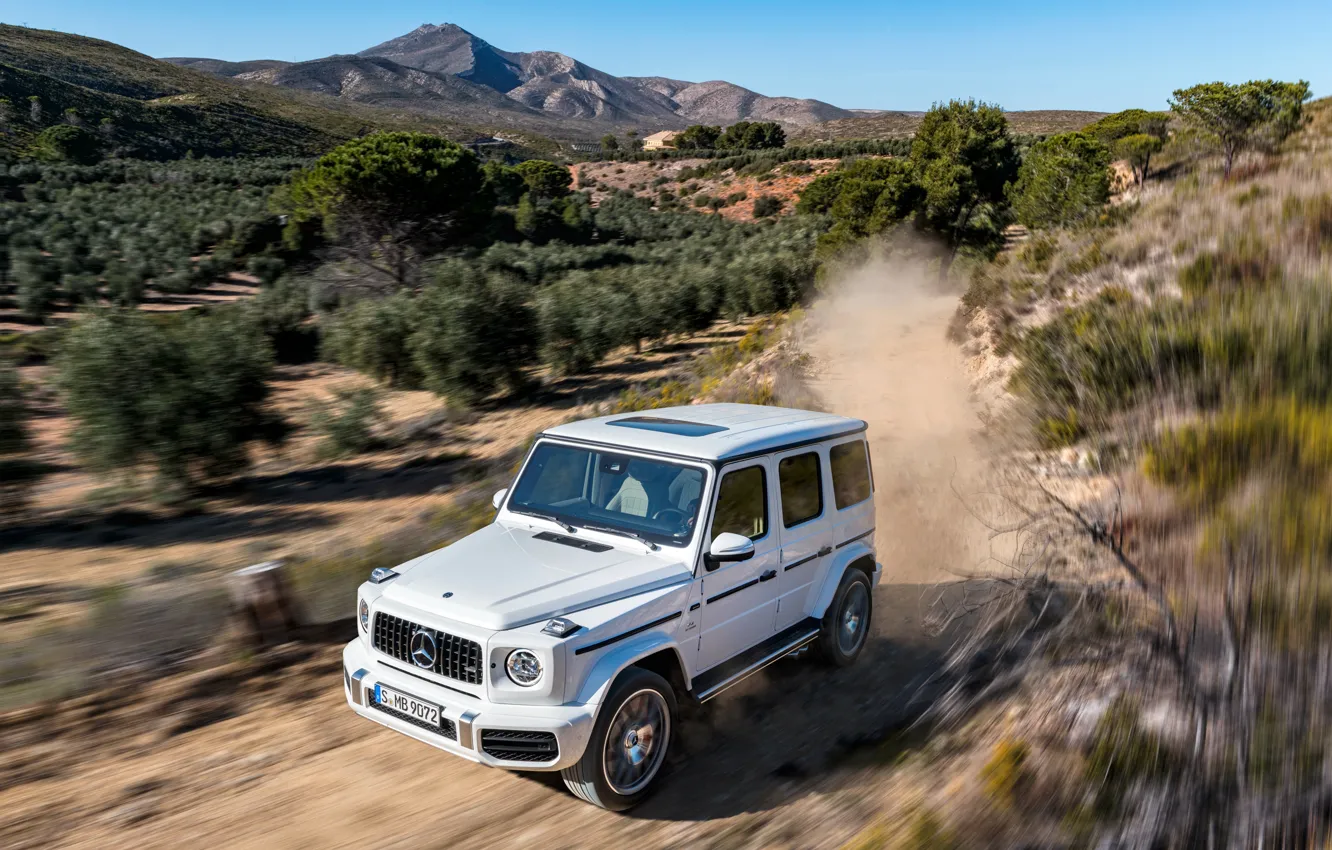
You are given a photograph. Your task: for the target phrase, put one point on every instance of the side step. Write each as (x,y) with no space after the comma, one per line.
(749,662)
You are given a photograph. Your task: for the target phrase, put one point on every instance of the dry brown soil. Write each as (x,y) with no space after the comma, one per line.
(264,754)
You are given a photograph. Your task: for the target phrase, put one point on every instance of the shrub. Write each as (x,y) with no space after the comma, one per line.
(372,337)
(1311,218)
(797,168)
(347,425)
(1037,253)
(187,393)
(1005,771)
(767,205)
(473,334)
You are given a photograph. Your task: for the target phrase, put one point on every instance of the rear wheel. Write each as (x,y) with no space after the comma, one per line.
(629,743)
(846,625)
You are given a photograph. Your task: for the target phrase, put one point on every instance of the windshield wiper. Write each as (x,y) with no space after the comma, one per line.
(623,532)
(548,517)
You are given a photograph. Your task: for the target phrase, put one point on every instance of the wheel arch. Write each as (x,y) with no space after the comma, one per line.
(857,556)
(657,653)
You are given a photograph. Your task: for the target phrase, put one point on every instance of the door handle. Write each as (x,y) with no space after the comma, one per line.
(826,550)
(768,575)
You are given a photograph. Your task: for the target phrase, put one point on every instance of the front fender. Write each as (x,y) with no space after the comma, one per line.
(845,558)
(592,690)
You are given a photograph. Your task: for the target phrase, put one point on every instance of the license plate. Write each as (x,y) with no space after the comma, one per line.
(408,705)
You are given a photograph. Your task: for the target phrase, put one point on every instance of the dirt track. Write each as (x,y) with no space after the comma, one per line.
(277,761)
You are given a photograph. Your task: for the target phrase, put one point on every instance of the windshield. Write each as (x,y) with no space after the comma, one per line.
(656,499)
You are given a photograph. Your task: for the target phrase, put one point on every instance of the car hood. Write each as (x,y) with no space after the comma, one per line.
(503,577)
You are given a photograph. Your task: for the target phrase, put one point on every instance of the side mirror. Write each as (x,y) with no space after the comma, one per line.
(498,498)
(728,547)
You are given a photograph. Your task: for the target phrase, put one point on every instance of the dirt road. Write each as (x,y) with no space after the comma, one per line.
(275,760)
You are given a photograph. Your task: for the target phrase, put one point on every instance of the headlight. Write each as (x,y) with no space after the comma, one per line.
(523,667)
(364,611)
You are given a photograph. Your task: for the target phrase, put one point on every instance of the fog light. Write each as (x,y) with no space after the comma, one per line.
(523,667)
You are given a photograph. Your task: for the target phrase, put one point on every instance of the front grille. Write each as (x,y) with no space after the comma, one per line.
(455,657)
(445,727)
(508,745)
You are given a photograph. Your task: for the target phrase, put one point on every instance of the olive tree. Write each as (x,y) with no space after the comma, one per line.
(389,200)
(1242,116)
(185,394)
(475,333)
(1063,180)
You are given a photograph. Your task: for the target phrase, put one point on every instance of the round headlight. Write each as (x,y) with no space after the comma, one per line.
(524,667)
(364,610)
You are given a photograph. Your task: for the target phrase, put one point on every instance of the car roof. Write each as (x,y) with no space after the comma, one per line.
(714,432)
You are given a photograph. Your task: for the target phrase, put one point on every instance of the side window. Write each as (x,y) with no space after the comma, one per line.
(742,504)
(850,473)
(802,488)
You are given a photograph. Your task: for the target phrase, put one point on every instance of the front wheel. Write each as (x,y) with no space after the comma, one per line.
(846,625)
(629,741)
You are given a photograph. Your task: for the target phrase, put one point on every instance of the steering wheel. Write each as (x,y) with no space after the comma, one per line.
(676,515)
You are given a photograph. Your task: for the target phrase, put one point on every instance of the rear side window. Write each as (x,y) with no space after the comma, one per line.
(802,488)
(850,473)
(742,504)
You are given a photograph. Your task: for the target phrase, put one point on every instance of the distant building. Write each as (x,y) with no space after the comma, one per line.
(660,141)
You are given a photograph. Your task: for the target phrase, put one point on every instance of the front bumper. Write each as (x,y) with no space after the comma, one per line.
(570,724)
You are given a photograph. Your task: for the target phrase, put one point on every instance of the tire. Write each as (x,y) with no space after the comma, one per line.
(607,775)
(846,626)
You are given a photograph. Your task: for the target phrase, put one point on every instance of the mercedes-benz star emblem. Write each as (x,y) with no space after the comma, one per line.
(423,648)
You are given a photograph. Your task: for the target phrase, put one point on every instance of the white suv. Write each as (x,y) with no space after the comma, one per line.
(638,560)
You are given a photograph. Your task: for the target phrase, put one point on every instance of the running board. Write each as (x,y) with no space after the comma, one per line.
(749,662)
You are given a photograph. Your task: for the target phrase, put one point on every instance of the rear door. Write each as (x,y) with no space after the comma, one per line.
(806,531)
(852,506)
(739,599)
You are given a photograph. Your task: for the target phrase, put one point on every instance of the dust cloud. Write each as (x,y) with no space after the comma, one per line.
(878,339)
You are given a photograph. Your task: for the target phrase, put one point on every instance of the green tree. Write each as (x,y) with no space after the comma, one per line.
(1239,117)
(13,412)
(390,199)
(609,143)
(1063,180)
(187,394)
(475,334)
(67,143)
(36,279)
(1138,150)
(16,474)
(503,182)
(545,180)
(372,337)
(697,137)
(964,160)
(1129,122)
(752,135)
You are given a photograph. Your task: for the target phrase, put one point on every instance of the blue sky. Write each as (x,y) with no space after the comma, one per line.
(884,55)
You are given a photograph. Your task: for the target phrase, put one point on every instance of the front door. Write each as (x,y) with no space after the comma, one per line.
(739,599)
(806,532)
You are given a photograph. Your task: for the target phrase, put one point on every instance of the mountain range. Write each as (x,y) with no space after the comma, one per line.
(444,69)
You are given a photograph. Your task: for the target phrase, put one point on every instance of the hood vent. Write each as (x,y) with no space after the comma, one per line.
(585,545)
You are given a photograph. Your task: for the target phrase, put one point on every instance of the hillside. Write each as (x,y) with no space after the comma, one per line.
(159,109)
(551,83)
(381,82)
(895,125)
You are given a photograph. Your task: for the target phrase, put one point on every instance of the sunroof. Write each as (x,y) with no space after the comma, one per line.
(678,427)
